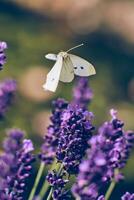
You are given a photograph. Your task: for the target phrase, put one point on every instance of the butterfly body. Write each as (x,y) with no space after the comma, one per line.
(66,66)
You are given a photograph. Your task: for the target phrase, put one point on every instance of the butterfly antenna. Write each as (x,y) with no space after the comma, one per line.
(75,47)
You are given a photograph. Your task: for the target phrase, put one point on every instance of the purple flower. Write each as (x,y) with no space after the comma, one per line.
(51,137)
(101,197)
(16,163)
(58,183)
(3,46)
(7,90)
(82,94)
(127,196)
(109,151)
(14,141)
(27,146)
(75,131)
(90,175)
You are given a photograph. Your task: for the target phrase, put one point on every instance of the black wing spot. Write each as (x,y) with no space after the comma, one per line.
(82,67)
(75,67)
(53,79)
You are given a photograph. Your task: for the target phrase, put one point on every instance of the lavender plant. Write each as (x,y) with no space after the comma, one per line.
(72,147)
(7,92)
(49,147)
(108,153)
(82,93)
(16,162)
(3,46)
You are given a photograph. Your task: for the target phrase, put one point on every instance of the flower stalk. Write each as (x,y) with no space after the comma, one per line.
(37,180)
(50,194)
(110,190)
(46,185)
(112,185)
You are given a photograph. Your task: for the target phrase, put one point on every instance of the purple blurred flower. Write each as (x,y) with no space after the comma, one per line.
(82,94)
(109,151)
(51,137)
(16,163)
(75,131)
(27,146)
(127,196)
(13,142)
(58,183)
(3,46)
(7,90)
(101,197)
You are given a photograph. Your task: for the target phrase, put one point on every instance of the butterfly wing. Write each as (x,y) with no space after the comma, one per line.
(81,66)
(54,75)
(67,72)
(51,56)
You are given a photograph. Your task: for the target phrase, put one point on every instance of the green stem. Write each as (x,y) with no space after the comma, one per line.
(44,189)
(60,169)
(39,174)
(110,190)
(50,194)
(46,185)
(112,185)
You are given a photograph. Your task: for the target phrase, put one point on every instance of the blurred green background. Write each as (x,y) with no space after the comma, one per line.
(34,28)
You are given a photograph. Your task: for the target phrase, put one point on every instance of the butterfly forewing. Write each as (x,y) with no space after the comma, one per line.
(51,56)
(54,75)
(81,66)
(67,71)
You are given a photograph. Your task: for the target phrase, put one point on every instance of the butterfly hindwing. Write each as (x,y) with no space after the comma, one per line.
(54,75)
(81,66)
(67,71)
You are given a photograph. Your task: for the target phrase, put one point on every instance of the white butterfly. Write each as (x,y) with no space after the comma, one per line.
(65,67)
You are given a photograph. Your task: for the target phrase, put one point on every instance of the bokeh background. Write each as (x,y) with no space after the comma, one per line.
(33,28)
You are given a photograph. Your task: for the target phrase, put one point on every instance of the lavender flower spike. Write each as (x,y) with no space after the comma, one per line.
(75,131)
(109,151)
(7,91)
(3,46)
(16,162)
(49,147)
(82,94)
(127,196)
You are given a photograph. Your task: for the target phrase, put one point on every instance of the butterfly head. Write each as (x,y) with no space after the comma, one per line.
(63,54)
